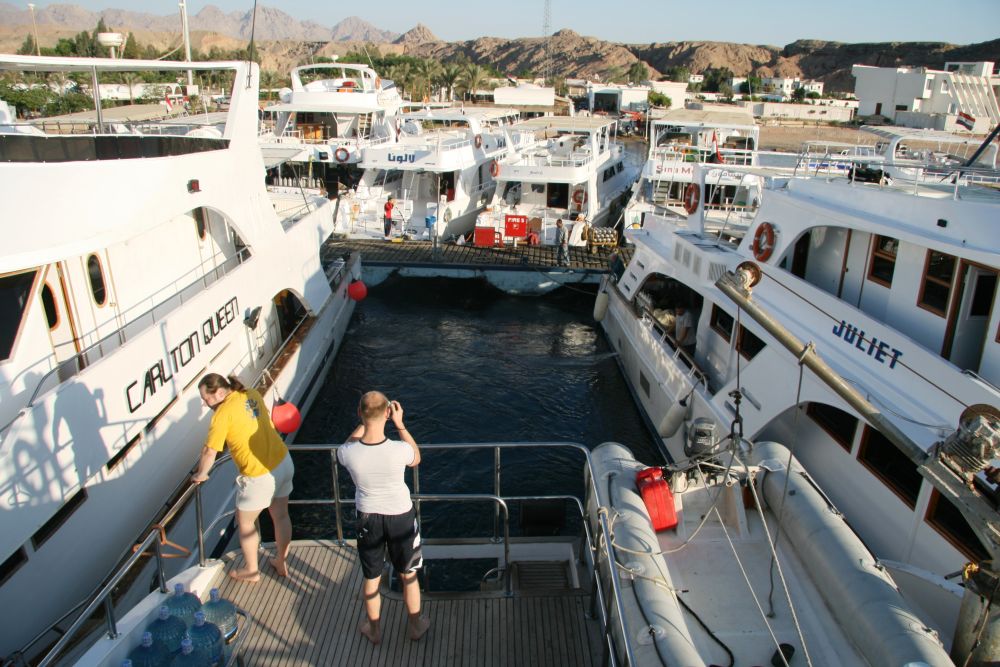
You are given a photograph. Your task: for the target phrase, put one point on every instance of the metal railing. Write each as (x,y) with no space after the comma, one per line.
(602,599)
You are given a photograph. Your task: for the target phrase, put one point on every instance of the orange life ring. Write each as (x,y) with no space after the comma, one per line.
(763,242)
(494,169)
(378,83)
(479,141)
(692,195)
(580,197)
(341,154)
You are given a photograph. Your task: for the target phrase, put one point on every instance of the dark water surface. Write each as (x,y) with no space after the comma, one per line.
(471,364)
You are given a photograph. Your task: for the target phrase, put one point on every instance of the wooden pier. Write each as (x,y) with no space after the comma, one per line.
(376,253)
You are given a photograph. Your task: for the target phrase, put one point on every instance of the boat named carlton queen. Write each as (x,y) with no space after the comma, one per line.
(145,253)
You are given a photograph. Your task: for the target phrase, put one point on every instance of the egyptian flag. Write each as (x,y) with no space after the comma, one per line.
(718,155)
(965,120)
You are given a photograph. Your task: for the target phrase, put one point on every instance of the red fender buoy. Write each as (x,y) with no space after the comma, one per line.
(285,417)
(357,290)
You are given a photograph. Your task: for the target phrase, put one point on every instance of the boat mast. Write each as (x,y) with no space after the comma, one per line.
(187,40)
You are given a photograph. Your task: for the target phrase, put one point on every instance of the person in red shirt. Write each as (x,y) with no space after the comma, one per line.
(388,217)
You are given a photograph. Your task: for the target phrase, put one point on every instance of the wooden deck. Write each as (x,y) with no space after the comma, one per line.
(421,253)
(311,618)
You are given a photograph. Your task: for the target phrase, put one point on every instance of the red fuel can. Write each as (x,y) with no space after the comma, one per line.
(658,498)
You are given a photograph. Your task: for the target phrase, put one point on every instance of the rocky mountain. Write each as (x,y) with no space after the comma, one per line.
(417,35)
(285,42)
(353,29)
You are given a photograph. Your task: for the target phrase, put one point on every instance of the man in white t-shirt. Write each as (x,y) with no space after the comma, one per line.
(386,517)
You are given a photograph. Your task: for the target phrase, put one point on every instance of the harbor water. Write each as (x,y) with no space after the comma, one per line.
(471,364)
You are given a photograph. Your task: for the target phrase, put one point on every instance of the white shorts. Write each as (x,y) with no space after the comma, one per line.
(256,493)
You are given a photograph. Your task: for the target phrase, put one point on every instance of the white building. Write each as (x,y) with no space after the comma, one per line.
(787,85)
(532,100)
(616,98)
(675,90)
(923,97)
(696,78)
(806,112)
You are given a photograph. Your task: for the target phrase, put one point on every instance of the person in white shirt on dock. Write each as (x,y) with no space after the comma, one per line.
(386,516)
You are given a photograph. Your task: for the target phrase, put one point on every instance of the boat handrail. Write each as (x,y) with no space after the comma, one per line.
(667,339)
(192,493)
(137,325)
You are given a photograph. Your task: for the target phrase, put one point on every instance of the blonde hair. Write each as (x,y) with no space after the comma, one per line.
(372,405)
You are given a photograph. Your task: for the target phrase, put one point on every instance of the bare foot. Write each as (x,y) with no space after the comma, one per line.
(244,575)
(280,567)
(418,627)
(370,630)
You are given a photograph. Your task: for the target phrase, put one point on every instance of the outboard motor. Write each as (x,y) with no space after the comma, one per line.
(702,441)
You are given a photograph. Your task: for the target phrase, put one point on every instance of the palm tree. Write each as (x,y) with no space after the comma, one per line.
(426,75)
(401,74)
(450,75)
(473,78)
(268,80)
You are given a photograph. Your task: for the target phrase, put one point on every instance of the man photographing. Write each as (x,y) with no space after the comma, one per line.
(386,517)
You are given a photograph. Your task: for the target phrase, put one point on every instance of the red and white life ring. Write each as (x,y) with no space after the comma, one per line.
(763,241)
(479,141)
(494,169)
(692,195)
(580,197)
(341,154)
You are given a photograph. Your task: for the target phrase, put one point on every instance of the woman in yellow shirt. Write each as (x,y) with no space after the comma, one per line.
(241,420)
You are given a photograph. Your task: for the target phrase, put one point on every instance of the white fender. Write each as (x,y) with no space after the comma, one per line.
(601,305)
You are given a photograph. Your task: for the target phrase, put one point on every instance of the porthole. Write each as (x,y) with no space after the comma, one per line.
(96,274)
(51,309)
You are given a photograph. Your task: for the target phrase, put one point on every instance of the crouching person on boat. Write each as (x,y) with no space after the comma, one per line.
(241,420)
(386,517)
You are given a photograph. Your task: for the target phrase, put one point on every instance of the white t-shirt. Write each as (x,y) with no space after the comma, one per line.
(377,471)
(682,325)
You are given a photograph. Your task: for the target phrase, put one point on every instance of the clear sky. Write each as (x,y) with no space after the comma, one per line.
(775,22)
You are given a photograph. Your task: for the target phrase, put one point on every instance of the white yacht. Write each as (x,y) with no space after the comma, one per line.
(679,139)
(575,170)
(895,288)
(905,153)
(144,255)
(442,167)
(332,112)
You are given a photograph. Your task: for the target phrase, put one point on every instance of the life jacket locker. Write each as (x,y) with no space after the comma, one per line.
(657,497)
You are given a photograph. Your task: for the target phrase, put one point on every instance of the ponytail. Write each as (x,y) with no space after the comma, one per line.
(213,382)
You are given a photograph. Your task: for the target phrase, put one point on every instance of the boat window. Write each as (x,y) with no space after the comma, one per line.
(982,296)
(12,564)
(947,520)
(839,424)
(890,465)
(883,264)
(49,304)
(96,274)
(619,168)
(748,344)
(14,291)
(935,290)
(50,527)
(722,323)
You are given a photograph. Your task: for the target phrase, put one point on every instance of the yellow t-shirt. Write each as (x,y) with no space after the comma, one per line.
(242,422)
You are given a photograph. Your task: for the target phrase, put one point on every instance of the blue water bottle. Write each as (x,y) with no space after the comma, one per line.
(207,639)
(222,612)
(188,657)
(183,605)
(167,630)
(148,653)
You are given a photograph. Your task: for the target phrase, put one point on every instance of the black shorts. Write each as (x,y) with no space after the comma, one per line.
(398,532)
